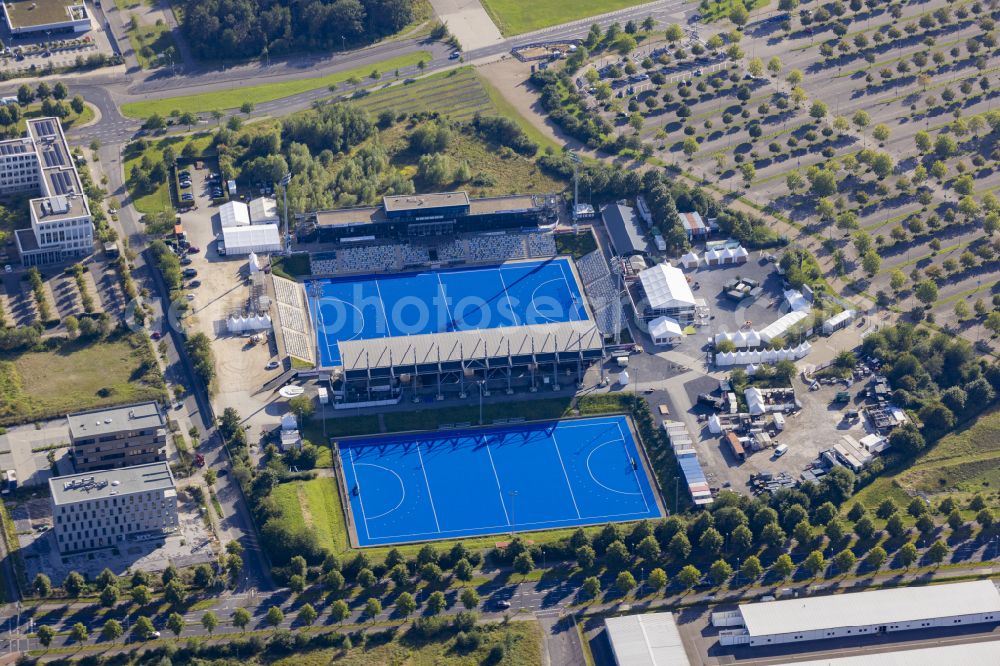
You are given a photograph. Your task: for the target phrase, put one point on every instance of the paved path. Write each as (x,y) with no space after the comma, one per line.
(468,22)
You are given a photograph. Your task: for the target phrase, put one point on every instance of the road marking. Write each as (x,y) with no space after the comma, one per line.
(429,495)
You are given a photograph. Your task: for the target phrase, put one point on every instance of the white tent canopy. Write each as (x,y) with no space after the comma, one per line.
(259,239)
(248,324)
(782,325)
(690,260)
(234,214)
(757,357)
(666,287)
(664,330)
(263,210)
(796,301)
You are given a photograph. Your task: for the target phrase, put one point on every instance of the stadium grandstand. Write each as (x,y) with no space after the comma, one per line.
(434,295)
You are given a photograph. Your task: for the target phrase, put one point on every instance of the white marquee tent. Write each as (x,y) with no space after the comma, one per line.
(259,239)
(665,330)
(666,287)
(234,214)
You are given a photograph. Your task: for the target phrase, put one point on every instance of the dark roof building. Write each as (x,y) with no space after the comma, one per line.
(625,230)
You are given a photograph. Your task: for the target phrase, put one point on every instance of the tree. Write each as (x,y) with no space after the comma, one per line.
(774,66)
(42,585)
(794,77)
(749,172)
(688,576)
(373,606)
(864,528)
(679,546)
(871,263)
(937,552)
(523,563)
(657,579)
(210,621)
(74,584)
(881,132)
(470,598)
(625,582)
(720,571)
(302,406)
(435,602)
(591,586)
(143,628)
(674,33)
(985,518)
(772,535)
(45,634)
(109,596)
(895,527)
(711,542)
(175,623)
(307,615)
(752,568)
(405,604)
(112,631)
(241,618)
(897,279)
(926,292)
(25,95)
(339,611)
(739,14)
(173,593)
(814,563)
(844,561)
(585,556)
(275,616)
(818,110)
(783,566)
(247,108)
(908,554)
(141,596)
(741,539)
(756,67)
(78,633)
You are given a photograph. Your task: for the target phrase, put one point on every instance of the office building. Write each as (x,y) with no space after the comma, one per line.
(61,224)
(103,509)
(118,437)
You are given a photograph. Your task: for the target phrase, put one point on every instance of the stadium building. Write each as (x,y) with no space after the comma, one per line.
(436,295)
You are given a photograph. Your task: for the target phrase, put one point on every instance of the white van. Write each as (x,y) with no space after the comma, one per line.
(780,450)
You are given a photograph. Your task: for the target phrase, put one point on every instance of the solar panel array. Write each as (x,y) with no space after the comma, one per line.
(13,148)
(45,127)
(62,182)
(53,155)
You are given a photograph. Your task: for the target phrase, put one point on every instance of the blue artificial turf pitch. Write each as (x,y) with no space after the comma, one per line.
(406,488)
(378,306)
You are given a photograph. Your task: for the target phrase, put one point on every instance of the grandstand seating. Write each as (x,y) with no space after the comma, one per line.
(599,284)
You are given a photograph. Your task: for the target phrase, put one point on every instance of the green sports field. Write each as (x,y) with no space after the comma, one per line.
(514,17)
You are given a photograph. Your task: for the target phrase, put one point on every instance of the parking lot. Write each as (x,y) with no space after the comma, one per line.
(222,290)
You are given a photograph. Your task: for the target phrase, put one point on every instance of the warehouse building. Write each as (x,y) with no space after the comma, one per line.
(973,654)
(646,640)
(860,613)
(102,509)
(118,437)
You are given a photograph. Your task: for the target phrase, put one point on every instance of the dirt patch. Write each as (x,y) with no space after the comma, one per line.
(307,518)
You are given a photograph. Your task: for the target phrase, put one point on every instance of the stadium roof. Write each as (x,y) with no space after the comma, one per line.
(625,230)
(666,287)
(127,417)
(98,485)
(568,337)
(424,201)
(875,607)
(962,653)
(646,640)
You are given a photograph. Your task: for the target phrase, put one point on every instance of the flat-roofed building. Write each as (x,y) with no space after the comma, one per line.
(972,654)
(860,613)
(102,509)
(61,224)
(46,16)
(651,639)
(118,437)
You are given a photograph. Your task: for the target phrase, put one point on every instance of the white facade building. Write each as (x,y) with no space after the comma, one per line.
(61,225)
(860,613)
(102,509)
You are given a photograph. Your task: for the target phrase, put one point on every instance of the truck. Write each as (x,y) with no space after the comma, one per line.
(324,397)
(842,397)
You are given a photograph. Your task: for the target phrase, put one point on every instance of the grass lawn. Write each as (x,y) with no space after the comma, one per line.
(149,42)
(514,17)
(315,506)
(962,464)
(576,245)
(159,200)
(34,110)
(76,376)
(265,92)
(524,639)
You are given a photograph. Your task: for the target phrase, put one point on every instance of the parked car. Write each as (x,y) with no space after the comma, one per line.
(187,196)
(194,284)
(189,273)
(185,261)
(455,55)
(156,335)
(780,450)
(271,365)
(185,184)
(193,249)
(503,603)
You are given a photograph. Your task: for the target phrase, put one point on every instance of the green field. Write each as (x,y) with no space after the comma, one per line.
(523,637)
(961,464)
(76,376)
(149,42)
(514,17)
(458,94)
(719,9)
(315,506)
(266,92)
